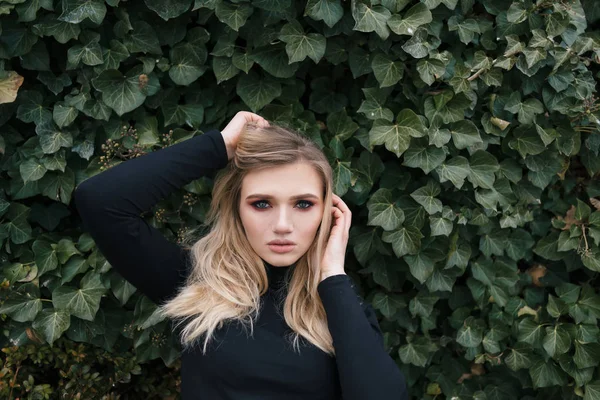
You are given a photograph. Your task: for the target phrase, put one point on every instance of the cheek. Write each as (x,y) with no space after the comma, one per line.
(252,222)
(311,223)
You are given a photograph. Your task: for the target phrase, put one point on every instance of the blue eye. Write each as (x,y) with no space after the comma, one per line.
(309,204)
(258,202)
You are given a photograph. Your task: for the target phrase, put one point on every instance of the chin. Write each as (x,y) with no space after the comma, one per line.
(281,260)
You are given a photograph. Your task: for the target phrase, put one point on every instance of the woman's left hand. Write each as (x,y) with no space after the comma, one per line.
(335,252)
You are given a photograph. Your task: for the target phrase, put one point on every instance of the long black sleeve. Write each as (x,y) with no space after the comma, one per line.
(110,204)
(263,367)
(366,370)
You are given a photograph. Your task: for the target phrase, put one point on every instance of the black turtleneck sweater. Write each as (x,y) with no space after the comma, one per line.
(237,366)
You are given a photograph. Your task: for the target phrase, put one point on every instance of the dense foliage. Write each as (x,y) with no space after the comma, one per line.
(464,135)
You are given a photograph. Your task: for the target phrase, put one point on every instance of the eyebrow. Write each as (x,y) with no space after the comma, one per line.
(299,196)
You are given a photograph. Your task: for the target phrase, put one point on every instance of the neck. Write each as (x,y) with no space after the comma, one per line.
(277,275)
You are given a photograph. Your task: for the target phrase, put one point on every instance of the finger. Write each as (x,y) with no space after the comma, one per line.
(338,216)
(340,222)
(261,122)
(256,118)
(345,209)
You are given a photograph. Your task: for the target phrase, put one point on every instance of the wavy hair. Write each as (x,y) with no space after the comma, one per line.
(227,277)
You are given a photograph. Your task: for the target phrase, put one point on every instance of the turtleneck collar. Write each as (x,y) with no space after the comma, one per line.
(277,275)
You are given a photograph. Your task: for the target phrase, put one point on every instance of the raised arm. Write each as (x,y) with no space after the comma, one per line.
(365,369)
(110,204)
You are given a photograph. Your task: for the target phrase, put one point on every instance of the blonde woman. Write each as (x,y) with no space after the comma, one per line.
(263,305)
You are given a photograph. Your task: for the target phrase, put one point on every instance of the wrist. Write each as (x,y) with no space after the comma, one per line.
(328,274)
(228,146)
(230,151)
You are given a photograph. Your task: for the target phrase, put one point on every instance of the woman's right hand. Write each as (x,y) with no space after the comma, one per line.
(235,127)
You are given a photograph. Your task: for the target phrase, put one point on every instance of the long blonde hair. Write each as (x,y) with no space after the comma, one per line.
(226,276)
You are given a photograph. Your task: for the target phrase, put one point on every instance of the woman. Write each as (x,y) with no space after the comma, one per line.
(311,336)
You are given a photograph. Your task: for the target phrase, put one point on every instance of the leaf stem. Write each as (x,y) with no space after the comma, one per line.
(585,129)
(481,70)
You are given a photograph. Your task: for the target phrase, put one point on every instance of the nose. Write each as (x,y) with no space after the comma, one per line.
(284,220)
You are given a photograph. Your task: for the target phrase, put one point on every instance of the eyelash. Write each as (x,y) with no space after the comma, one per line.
(310,204)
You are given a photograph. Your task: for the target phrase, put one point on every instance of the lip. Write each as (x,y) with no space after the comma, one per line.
(281,242)
(282,248)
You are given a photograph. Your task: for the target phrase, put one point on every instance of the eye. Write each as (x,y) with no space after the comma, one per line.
(258,202)
(308,204)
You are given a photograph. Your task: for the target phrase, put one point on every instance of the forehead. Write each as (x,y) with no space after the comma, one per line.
(282,180)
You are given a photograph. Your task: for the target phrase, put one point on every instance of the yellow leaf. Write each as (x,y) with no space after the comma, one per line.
(9,87)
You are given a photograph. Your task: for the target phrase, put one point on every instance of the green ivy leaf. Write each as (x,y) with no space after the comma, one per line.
(24,303)
(330,12)
(258,92)
(447,112)
(168,9)
(142,39)
(387,304)
(557,341)
(75,11)
(516,13)
(387,71)
(420,155)
(556,307)
(406,240)
(342,177)
(519,356)
(417,352)
(546,374)
(426,196)
(301,45)
(483,167)
(530,332)
(469,334)
(84,302)
(526,110)
(64,116)
(32,170)
(31,108)
(465,134)
(533,55)
(422,304)
(586,354)
(371,19)
(416,16)
(430,70)
(440,226)
(454,170)
(467,28)
(397,137)
(556,23)
(417,46)
(121,288)
(384,211)
(526,142)
(119,92)
(233,15)
(441,280)
(187,63)
(582,211)
(52,324)
(592,391)
(591,260)
(420,265)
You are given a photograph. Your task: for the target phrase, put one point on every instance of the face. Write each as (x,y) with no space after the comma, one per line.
(283,202)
